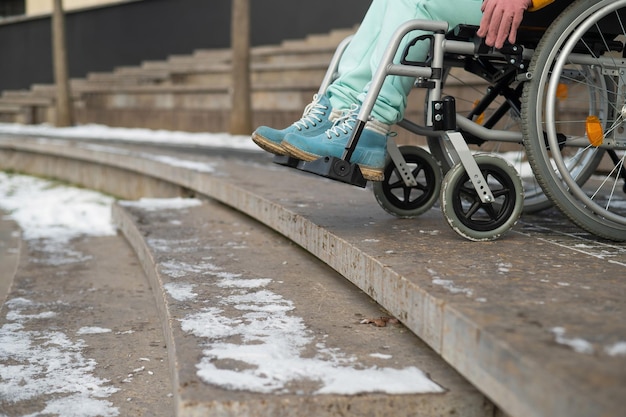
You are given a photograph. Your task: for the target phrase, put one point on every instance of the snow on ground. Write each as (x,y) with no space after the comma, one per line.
(94,132)
(48,365)
(36,363)
(34,204)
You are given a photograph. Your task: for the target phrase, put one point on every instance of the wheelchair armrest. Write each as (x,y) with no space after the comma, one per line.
(467,33)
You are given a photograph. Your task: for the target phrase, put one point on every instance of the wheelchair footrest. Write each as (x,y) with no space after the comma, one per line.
(330,167)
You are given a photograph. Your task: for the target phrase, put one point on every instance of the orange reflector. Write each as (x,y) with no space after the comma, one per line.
(562,91)
(481,117)
(594,130)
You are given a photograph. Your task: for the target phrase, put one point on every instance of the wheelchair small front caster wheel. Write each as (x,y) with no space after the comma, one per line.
(403,201)
(463,209)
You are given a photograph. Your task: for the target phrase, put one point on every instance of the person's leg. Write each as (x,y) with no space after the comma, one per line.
(354,74)
(354,67)
(390,105)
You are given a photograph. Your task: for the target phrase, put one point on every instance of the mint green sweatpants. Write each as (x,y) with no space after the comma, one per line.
(362,56)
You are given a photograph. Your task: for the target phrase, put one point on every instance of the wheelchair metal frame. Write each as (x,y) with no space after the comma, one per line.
(442,120)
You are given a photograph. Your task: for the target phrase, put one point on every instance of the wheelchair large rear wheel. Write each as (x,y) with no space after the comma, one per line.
(576,102)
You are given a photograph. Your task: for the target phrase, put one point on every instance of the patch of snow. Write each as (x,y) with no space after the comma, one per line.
(617,349)
(157,204)
(265,342)
(100,132)
(48,364)
(92,330)
(577,344)
(180,291)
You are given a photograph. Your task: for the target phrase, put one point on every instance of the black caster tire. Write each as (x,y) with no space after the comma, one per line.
(463,209)
(400,200)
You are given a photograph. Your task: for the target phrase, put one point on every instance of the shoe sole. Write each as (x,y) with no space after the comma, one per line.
(369,173)
(268,145)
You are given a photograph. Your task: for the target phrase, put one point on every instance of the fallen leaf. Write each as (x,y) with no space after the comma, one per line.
(380,321)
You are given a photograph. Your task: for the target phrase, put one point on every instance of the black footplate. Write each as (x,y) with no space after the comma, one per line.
(329,167)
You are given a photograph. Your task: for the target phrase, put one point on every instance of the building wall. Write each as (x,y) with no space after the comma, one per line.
(35,7)
(9,8)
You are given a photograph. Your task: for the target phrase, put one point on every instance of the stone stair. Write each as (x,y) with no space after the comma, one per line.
(192,92)
(533,321)
(144,309)
(189,92)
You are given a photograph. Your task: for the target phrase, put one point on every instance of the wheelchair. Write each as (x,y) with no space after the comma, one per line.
(548,130)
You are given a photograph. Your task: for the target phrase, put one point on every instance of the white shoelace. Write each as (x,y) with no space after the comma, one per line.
(311,115)
(345,123)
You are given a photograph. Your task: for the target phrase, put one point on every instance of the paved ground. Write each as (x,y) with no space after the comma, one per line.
(534,320)
(85,329)
(80,334)
(261,328)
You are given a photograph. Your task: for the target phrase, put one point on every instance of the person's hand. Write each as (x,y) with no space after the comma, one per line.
(501,18)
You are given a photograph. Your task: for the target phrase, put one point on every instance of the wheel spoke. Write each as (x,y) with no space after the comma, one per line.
(469,194)
(491,211)
(407,194)
(502,192)
(473,209)
(396,184)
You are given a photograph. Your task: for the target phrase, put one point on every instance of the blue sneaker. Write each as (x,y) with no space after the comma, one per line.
(370,153)
(315,120)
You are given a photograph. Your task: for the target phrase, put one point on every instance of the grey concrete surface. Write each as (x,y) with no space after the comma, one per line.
(83,331)
(532,320)
(10,244)
(187,252)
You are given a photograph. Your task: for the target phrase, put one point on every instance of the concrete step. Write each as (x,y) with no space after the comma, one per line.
(79,327)
(11,112)
(295,64)
(258,327)
(10,246)
(324,39)
(262,54)
(7,107)
(26,107)
(186,97)
(289,75)
(224,54)
(296,53)
(25,97)
(211,74)
(49,91)
(139,77)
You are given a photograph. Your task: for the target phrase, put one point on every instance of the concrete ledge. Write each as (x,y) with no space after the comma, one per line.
(10,247)
(507,315)
(192,247)
(116,181)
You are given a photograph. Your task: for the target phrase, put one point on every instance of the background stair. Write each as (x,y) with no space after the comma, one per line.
(192,92)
